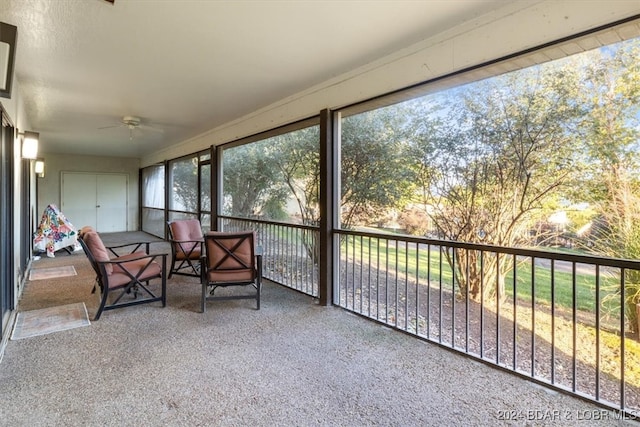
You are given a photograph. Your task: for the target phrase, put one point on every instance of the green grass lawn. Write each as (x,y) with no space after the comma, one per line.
(432,266)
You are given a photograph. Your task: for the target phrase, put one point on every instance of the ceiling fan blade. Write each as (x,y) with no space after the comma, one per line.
(110,127)
(150,128)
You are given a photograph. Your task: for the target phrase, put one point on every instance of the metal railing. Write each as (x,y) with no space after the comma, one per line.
(556,318)
(290,251)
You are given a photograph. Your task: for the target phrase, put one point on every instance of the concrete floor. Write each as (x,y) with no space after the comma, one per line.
(292,363)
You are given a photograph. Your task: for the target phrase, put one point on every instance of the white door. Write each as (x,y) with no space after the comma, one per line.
(79,199)
(98,200)
(111,206)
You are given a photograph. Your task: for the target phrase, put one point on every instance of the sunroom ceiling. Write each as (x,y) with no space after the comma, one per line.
(184,67)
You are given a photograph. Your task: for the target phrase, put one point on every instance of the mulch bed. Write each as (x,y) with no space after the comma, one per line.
(490,333)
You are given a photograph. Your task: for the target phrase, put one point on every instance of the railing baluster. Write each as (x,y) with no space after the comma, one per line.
(406,285)
(369,277)
(553,321)
(515,313)
(288,250)
(353,271)
(481,304)
(344,260)
(417,288)
(533,316)
(283,256)
(453,297)
(308,250)
(289,253)
(359,290)
(498,296)
(597,385)
(429,290)
(440,297)
(275,244)
(623,298)
(574,323)
(299,251)
(305,255)
(315,278)
(466,301)
(386,283)
(291,240)
(301,255)
(395,313)
(378,278)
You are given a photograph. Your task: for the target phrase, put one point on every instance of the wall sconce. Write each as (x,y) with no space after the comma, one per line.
(30,145)
(39,168)
(8,35)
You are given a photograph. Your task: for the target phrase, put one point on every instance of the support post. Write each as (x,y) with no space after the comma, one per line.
(327,207)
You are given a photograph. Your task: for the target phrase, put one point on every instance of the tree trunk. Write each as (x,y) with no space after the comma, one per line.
(481,276)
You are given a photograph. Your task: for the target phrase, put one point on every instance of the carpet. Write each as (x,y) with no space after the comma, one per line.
(51,272)
(47,320)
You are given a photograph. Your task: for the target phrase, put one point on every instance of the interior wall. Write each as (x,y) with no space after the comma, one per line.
(49,188)
(514,27)
(15,109)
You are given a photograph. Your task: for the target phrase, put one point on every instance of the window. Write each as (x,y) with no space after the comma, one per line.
(153,200)
(276,178)
(528,156)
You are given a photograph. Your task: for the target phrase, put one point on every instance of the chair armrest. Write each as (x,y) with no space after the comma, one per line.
(203,269)
(132,257)
(140,260)
(137,245)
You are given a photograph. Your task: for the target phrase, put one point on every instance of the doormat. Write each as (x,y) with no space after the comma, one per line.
(51,272)
(47,320)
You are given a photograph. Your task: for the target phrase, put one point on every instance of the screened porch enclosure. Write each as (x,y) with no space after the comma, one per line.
(489,212)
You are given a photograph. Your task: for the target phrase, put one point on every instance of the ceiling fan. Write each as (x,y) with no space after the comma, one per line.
(132,123)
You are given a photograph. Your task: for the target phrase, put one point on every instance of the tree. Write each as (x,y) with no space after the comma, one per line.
(184,182)
(298,161)
(488,160)
(414,221)
(374,173)
(612,135)
(251,183)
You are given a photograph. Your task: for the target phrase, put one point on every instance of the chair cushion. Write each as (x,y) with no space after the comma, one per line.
(231,276)
(224,268)
(84,230)
(97,249)
(120,278)
(188,231)
(189,249)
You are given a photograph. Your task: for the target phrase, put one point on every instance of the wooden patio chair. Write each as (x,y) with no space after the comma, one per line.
(230,260)
(121,278)
(186,240)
